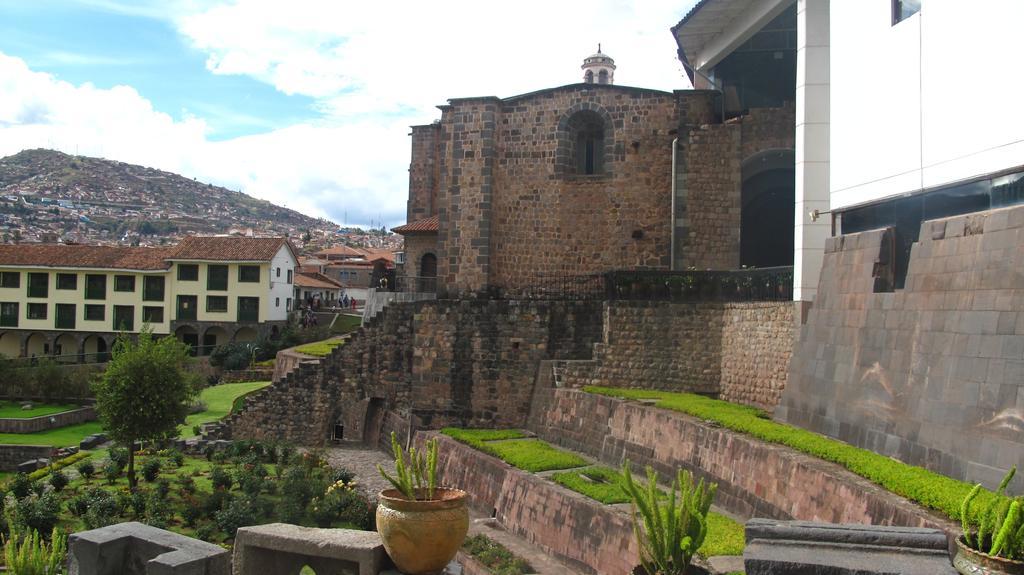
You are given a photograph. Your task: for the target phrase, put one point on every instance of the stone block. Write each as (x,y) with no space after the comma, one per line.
(93,441)
(136,549)
(806,548)
(283,548)
(29,466)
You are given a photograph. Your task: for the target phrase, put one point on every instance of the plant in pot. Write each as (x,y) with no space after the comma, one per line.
(669,528)
(422,525)
(993,538)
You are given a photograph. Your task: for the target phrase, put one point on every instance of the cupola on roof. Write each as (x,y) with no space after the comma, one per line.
(598,68)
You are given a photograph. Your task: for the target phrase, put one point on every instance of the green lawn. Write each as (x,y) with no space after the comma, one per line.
(13,410)
(60,437)
(346,323)
(526,454)
(219,400)
(915,483)
(319,348)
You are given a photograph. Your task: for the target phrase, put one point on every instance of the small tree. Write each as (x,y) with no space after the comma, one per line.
(145,392)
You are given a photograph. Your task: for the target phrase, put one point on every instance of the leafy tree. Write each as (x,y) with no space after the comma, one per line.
(145,392)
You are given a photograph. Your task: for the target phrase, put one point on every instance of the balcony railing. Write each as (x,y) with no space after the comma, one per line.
(413,284)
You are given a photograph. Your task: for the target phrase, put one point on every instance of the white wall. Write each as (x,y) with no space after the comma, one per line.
(929,101)
(280,289)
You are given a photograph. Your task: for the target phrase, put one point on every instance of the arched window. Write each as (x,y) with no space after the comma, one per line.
(602,77)
(589,77)
(586,130)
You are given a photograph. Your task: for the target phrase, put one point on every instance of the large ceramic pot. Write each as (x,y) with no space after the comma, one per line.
(972,562)
(420,536)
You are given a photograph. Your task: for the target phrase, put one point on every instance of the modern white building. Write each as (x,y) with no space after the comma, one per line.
(905,109)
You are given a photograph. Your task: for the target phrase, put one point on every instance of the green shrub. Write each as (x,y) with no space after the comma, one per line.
(494,556)
(138,501)
(78,505)
(28,554)
(58,480)
(725,537)
(177,458)
(239,513)
(476,436)
(250,481)
(151,470)
(86,469)
(510,446)
(220,479)
(206,531)
(669,530)
(112,471)
(216,501)
(21,485)
(35,512)
(915,483)
(119,456)
(103,510)
(191,511)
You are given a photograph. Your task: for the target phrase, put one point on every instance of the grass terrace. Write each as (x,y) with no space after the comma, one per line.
(220,400)
(513,447)
(917,484)
(59,437)
(13,410)
(320,348)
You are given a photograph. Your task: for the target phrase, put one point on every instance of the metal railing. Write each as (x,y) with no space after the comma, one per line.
(413,284)
(753,284)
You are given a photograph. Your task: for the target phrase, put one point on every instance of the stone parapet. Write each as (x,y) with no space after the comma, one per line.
(137,549)
(285,549)
(11,456)
(805,548)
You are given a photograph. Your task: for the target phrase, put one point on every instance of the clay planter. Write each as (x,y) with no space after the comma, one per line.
(973,562)
(422,537)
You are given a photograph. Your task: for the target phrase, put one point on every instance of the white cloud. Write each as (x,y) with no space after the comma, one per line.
(320,170)
(374,68)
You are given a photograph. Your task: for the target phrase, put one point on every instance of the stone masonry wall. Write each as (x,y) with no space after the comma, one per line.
(13,455)
(712,179)
(932,374)
(422,173)
(44,422)
(419,365)
(739,352)
(594,538)
(549,220)
(755,479)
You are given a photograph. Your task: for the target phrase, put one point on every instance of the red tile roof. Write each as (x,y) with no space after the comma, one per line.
(341,250)
(230,248)
(316,280)
(425,225)
(78,256)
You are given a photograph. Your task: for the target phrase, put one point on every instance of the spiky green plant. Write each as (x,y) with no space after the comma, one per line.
(416,477)
(669,529)
(29,554)
(999,529)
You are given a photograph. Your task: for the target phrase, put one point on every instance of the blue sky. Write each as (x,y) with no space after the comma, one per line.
(305,103)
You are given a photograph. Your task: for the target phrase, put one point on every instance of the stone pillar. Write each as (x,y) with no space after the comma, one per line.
(812,148)
(422,167)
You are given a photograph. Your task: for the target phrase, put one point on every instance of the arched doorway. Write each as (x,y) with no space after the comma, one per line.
(245,334)
(10,345)
(428,273)
(767,213)
(65,348)
(36,345)
(94,349)
(189,336)
(213,337)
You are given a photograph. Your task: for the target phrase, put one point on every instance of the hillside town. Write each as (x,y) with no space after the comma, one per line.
(770,323)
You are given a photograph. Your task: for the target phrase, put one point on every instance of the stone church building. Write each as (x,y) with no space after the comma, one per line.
(508,194)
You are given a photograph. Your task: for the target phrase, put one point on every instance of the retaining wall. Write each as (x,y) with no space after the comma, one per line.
(592,537)
(44,422)
(12,455)
(737,351)
(756,479)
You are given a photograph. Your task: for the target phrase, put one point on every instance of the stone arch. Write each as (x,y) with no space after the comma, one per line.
(95,349)
(244,334)
(36,345)
(767,208)
(373,422)
(10,344)
(66,348)
(586,139)
(602,77)
(428,273)
(213,336)
(189,335)
(589,77)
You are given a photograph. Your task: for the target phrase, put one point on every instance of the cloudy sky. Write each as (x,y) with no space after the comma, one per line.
(305,103)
